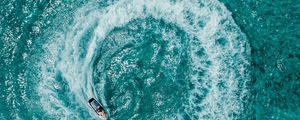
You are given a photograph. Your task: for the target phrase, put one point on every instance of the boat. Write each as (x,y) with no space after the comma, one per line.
(98,108)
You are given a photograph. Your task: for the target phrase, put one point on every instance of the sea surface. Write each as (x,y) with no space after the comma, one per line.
(150,59)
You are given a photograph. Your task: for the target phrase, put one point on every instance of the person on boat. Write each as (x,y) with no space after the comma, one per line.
(101,111)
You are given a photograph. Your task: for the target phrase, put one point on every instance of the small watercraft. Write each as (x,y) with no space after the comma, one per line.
(98,108)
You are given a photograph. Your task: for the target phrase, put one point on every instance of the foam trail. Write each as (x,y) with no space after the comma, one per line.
(78,70)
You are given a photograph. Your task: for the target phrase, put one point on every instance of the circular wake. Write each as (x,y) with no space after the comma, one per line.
(147,60)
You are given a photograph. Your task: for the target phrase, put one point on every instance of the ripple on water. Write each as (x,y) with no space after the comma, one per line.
(153,59)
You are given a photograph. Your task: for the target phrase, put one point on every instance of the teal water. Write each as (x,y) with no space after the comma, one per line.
(142,59)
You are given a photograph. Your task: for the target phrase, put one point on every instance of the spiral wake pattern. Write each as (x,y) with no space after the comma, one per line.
(145,59)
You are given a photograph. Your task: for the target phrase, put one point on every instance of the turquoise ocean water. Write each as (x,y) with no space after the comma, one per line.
(150,59)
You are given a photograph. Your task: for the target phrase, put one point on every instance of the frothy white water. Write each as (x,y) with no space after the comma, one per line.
(207,21)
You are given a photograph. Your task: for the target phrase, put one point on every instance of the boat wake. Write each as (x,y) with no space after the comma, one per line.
(146,59)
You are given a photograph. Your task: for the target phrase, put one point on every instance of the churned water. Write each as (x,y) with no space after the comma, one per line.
(150,59)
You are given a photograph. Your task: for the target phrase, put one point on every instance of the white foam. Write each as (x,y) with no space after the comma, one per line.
(218,104)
